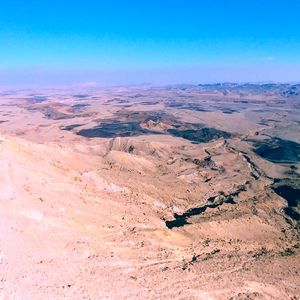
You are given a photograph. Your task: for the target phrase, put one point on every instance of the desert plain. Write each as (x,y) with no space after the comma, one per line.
(174,192)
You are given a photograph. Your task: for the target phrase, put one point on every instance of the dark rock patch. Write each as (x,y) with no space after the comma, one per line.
(38,99)
(181,220)
(188,106)
(150,102)
(228,111)
(290,191)
(115,129)
(81,96)
(278,150)
(79,106)
(71,127)
(202,135)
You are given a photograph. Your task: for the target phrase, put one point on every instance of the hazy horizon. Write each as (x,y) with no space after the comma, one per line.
(154,77)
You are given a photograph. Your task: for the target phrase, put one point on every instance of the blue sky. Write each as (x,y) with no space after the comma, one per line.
(130,41)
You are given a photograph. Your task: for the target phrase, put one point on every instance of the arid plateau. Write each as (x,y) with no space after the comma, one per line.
(176,192)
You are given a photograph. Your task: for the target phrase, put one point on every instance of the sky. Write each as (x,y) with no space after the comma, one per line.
(160,41)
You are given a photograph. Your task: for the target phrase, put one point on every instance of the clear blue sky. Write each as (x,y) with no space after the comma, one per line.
(161,40)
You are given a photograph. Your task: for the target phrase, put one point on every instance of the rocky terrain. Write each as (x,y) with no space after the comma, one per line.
(177,192)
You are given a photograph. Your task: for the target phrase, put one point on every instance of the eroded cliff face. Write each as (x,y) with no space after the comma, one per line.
(148,194)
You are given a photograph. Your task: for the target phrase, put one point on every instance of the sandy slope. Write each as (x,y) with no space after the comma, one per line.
(80,226)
